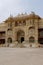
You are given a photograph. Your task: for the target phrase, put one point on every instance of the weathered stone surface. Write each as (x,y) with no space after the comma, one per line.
(22,29)
(14,44)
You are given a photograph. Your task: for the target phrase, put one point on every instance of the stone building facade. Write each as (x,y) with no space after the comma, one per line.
(25,30)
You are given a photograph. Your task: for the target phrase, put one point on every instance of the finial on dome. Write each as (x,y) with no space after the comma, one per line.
(25,13)
(11,15)
(21,13)
(33,12)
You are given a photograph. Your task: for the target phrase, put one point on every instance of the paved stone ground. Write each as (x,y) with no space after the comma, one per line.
(21,56)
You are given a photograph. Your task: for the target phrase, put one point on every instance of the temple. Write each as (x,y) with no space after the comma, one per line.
(23,30)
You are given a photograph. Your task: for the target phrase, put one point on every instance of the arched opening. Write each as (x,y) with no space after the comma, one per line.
(31,30)
(31,27)
(31,40)
(20,36)
(9,40)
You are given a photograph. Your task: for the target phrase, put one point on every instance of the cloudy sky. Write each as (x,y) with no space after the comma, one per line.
(14,7)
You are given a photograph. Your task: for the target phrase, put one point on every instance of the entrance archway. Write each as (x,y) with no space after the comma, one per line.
(20,36)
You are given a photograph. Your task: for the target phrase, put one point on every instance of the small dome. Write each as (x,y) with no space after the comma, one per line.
(34,16)
(9,19)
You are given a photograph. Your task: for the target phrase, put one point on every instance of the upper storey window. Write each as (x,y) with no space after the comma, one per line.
(20,23)
(24,22)
(9,25)
(16,23)
(32,21)
(9,29)
(31,30)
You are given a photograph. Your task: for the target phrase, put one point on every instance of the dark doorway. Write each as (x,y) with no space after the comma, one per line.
(40,36)
(22,39)
(41,40)
(2,41)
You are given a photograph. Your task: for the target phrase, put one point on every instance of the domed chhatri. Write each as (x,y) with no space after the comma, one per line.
(34,16)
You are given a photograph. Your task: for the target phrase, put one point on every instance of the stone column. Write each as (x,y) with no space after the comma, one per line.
(26,34)
(36,32)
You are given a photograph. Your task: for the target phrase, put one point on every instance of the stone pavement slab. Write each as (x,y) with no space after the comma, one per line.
(21,56)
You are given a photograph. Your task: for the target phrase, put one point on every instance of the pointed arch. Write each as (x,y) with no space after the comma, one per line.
(9,40)
(31,39)
(20,35)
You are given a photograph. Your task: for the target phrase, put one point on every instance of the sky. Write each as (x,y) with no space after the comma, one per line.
(15,7)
